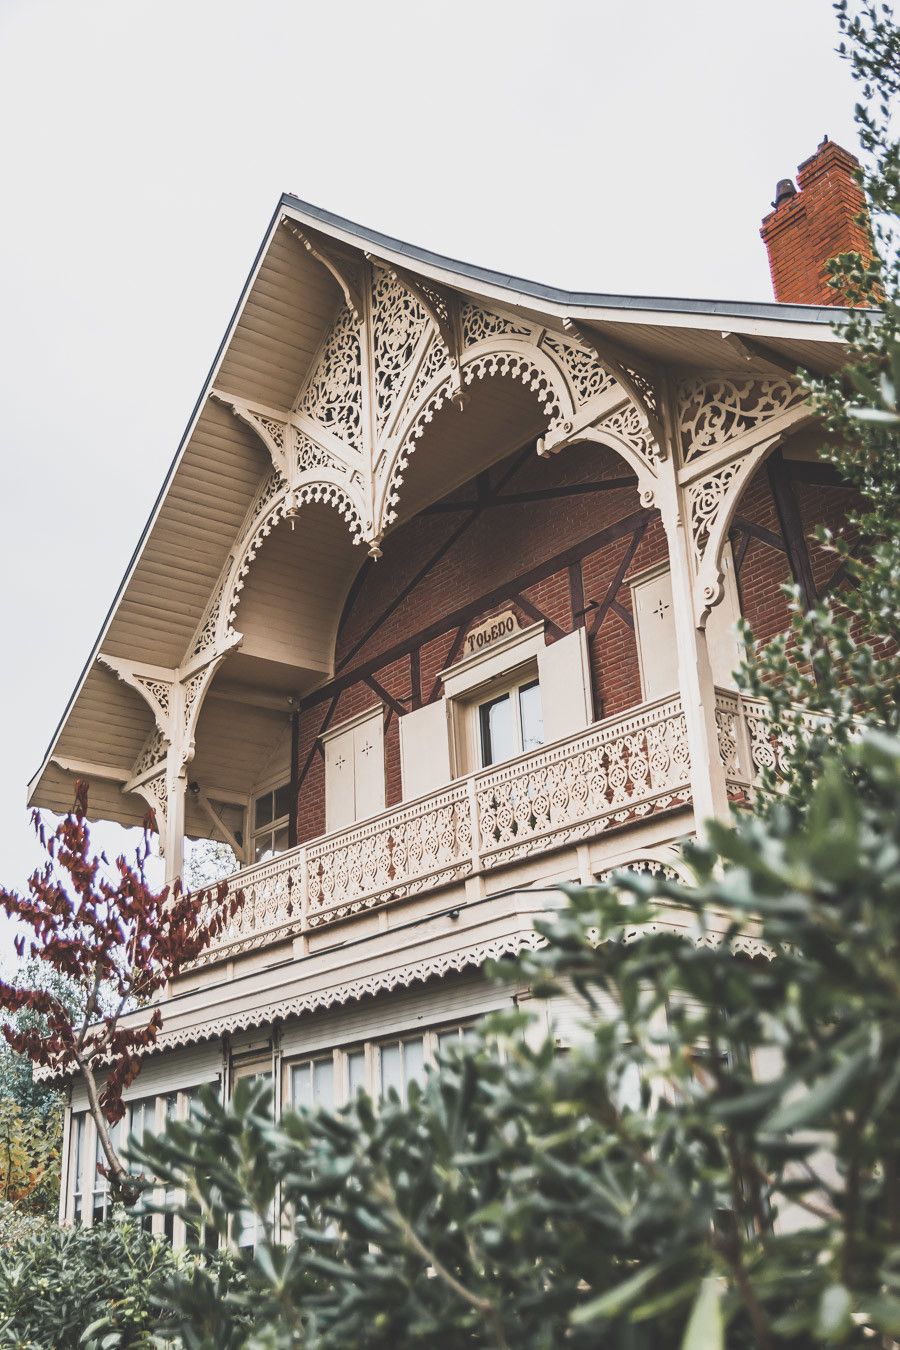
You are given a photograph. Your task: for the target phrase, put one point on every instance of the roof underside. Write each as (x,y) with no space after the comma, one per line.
(282,319)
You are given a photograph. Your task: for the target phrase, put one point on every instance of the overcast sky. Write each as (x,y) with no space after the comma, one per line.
(624,145)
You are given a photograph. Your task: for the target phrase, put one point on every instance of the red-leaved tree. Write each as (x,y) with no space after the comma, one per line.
(120,943)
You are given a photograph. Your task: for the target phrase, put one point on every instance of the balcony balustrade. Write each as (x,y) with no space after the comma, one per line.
(620,770)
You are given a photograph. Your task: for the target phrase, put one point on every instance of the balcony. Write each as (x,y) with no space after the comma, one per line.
(619,771)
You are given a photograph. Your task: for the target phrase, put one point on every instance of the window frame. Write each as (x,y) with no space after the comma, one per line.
(277,823)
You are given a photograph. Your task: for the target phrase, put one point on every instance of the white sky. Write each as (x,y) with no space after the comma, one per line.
(629,147)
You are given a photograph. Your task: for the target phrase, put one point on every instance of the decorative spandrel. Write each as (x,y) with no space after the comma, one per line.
(333,396)
(714,412)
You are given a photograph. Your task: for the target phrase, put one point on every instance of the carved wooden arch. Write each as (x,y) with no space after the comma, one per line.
(530,358)
(276,502)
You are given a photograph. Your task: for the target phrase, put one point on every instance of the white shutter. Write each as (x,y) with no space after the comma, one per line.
(726,651)
(425,749)
(368,761)
(655,632)
(339,775)
(564,675)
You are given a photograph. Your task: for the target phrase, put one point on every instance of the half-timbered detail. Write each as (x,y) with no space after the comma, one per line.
(438,608)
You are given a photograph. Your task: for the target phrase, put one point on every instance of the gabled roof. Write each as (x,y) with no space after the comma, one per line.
(281,319)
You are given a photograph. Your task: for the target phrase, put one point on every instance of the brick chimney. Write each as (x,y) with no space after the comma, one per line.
(808,227)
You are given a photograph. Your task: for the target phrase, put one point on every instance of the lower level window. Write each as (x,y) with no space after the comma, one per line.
(401,1063)
(312,1084)
(511,724)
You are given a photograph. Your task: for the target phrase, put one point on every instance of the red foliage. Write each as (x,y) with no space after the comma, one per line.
(117,939)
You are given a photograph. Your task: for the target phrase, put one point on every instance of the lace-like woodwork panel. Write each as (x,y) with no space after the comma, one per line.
(727,722)
(478,324)
(156,793)
(772,743)
(152,752)
(424,845)
(309,456)
(206,634)
(651,867)
(436,359)
(705,499)
(583,371)
(636,767)
(398,322)
(271,906)
(628,424)
(712,413)
(334,395)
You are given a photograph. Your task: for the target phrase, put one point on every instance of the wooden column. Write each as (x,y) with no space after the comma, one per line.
(695,678)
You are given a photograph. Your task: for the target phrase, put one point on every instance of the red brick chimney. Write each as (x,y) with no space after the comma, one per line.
(808,227)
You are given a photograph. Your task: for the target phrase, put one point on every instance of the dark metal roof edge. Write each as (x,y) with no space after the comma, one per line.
(160,496)
(745,309)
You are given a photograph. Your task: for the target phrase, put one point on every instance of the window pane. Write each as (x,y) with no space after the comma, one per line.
(356,1071)
(414,1061)
(281,839)
(262,847)
(498,737)
(79,1152)
(532,716)
(391,1075)
(323,1083)
(447,1040)
(282,801)
(263,810)
(301,1086)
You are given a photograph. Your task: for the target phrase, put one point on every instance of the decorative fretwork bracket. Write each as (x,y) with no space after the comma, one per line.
(638,380)
(722,429)
(175,697)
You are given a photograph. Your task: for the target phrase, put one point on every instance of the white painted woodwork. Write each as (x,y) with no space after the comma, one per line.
(340,788)
(726,650)
(354,770)
(425,749)
(170,1071)
(452,999)
(654,624)
(368,764)
(565,682)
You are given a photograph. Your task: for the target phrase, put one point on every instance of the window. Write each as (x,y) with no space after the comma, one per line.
(271,817)
(141,1122)
(401,1063)
(171,1113)
(312,1084)
(101,1204)
(511,724)
(79,1124)
(247,1229)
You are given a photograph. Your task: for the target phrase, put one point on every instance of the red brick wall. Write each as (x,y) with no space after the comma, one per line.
(815,224)
(446,562)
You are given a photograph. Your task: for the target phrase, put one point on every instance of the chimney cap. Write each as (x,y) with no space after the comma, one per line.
(784,191)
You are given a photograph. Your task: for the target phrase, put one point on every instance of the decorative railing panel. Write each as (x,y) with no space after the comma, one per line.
(619,770)
(402,851)
(272,904)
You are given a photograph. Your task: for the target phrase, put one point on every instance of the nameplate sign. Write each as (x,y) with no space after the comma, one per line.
(495,628)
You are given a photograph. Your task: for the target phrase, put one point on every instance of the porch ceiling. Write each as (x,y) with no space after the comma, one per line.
(296,287)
